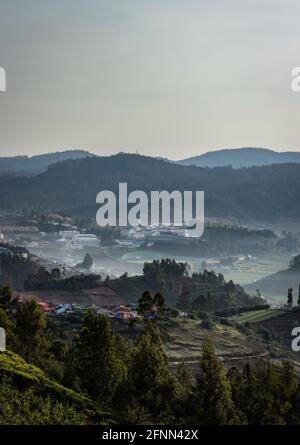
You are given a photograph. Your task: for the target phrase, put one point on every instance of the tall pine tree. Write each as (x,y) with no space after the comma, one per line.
(99,367)
(152,387)
(215,405)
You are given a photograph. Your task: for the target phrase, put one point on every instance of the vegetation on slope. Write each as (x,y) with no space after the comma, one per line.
(206,290)
(68,375)
(28,396)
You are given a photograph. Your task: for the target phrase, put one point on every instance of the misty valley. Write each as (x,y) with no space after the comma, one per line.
(149,220)
(93,311)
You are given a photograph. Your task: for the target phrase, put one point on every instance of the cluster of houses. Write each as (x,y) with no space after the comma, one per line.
(122,312)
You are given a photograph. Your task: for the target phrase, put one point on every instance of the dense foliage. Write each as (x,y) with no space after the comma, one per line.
(54,280)
(69,375)
(165,267)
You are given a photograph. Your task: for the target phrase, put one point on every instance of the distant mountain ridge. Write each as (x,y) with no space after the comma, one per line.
(234,157)
(242,157)
(256,193)
(26,166)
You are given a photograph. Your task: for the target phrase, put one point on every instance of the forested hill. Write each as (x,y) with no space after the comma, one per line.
(256,192)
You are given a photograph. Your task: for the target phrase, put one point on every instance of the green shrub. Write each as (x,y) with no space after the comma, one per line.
(28,408)
(208,324)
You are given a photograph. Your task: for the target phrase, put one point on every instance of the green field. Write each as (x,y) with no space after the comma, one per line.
(254,316)
(258,268)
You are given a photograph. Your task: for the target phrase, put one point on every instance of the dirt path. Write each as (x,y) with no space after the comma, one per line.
(222,358)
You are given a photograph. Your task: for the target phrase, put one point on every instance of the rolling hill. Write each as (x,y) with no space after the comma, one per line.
(26,166)
(277,284)
(255,193)
(242,157)
(209,296)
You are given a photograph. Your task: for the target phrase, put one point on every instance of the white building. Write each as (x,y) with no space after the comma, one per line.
(85,240)
(68,234)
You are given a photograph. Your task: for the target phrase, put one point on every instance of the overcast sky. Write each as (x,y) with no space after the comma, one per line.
(170,78)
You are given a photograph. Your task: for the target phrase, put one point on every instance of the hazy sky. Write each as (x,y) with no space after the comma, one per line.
(163,77)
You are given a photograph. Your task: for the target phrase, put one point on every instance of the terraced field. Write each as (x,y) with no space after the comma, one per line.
(185,337)
(255,316)
(281,326)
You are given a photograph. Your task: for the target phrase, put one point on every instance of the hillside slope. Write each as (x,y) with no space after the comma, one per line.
(24,382)
(207,296)
(281,327)
(256,193)
(277,284)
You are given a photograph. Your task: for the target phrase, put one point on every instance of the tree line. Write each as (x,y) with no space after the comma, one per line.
(55,280)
